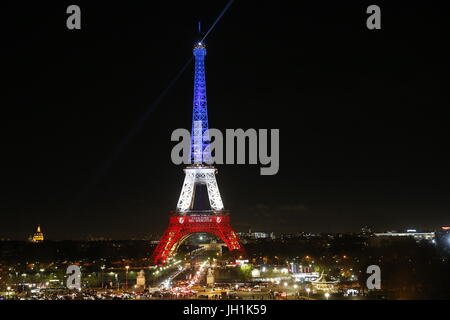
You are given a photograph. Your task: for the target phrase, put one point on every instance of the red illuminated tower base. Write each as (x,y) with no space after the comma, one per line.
(181,227)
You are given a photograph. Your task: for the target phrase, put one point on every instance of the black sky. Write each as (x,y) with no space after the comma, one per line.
(362,114)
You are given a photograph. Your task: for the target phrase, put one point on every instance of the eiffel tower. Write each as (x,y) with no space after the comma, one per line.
(200,207)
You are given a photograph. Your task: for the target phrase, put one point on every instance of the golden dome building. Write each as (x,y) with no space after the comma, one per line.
(38,235)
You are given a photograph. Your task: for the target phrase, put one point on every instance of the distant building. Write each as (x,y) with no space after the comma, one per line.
(256,235)
(140,279)
(256,273)
(38,235)
(324,285)
(443,237)
(259,235)
(445,228)
(366,230)
(214,246)
(306,276)
(210,277)
(303,273)
(430,236)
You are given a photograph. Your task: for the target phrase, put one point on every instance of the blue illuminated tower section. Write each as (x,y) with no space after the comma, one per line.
(199,152)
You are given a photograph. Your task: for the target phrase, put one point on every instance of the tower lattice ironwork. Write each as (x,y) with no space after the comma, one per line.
(192,216)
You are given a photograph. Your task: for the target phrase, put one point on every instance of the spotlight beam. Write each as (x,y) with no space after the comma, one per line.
(104,168)
(217,19)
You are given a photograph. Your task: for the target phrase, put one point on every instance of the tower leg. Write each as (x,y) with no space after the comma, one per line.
(170,237)
(181,227)
(215,200)
(187,192)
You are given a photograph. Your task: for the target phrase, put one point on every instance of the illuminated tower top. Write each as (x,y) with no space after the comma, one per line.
(38,235)
(199,152)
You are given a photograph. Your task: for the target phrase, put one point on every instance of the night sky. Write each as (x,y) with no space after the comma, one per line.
(362,114)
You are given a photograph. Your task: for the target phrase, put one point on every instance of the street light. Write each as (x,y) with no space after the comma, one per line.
(308,290)
(126,277)
(103,268)
(327,295)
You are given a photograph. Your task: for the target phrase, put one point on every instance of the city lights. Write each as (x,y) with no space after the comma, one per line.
(137,170)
